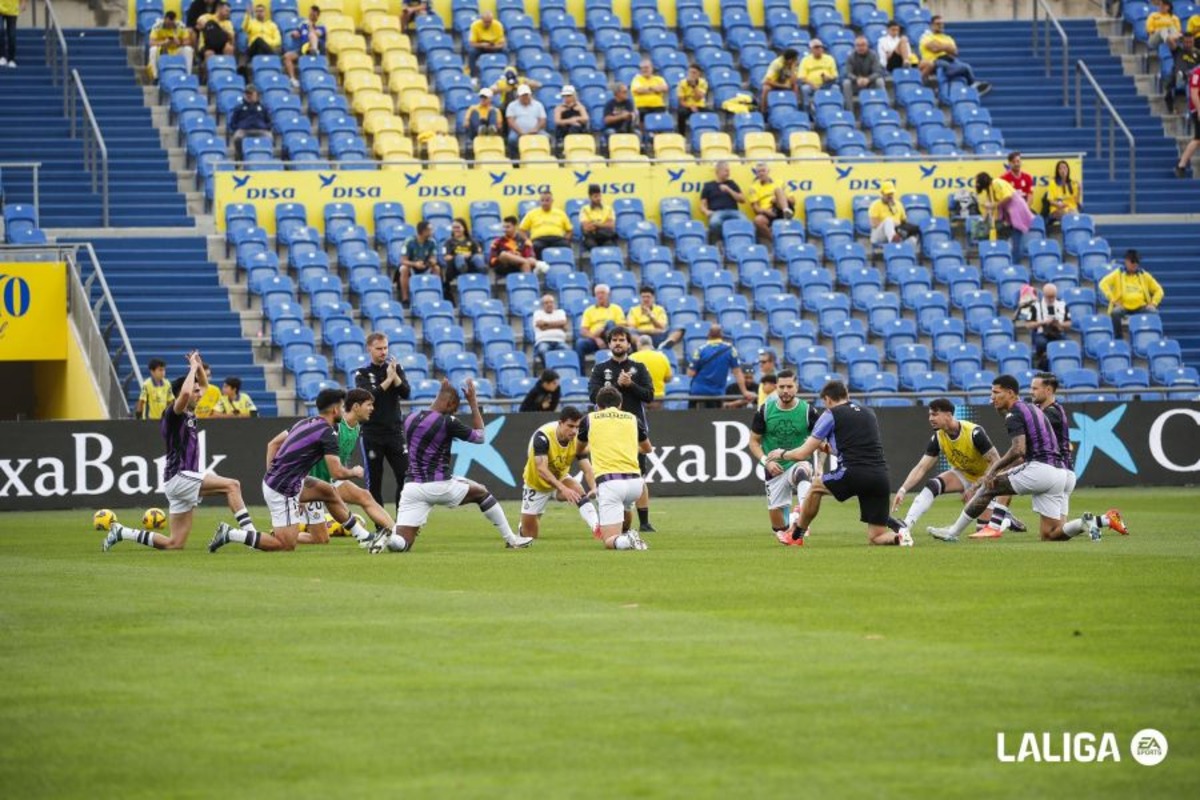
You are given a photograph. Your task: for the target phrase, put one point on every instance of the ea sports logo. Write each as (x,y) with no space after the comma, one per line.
(1148,747)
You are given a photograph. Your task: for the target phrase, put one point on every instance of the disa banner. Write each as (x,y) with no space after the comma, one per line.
(33,311)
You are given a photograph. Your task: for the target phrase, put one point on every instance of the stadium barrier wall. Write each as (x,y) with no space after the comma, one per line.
(33,311)
(63,465)
(411,185)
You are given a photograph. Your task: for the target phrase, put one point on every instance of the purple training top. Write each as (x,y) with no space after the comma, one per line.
(182,440)
(429,435)
(1057,416)
(309,441)
(1041,442)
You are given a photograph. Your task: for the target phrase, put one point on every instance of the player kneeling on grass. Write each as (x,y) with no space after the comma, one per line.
(615,438)
(850,432)
(553,448)
(1041,472)
(290,458)
(783,423)
(430,482)
(184,484)
(969,452)
(357,408)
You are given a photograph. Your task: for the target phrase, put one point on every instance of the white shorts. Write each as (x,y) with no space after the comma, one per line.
(615,497)
(533,502)
(779,488)
(1047,486)
(967,484)
(285,511)
(314,512)
(418,499)
(183,492)
(1070,490)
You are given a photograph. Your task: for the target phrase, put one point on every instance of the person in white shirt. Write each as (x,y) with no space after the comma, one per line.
(550,327)
(1047,320)
(894,49)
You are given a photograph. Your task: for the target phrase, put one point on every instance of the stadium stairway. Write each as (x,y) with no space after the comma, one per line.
(1026,106)
(143,192)
(1168,253)
(172,301)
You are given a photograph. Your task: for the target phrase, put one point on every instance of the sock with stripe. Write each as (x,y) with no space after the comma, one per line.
(495,515)
(587,510)
(141,537)
(920,505)
(352,528)
(248,538)
(999,514)
(1102,521)
(243,519)
(1074,528)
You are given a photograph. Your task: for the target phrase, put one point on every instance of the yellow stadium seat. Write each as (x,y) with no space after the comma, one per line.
(578,145)
(335,21)
(489,148)
(328,6)
(804,143)
(379,121)
(448,164)
(715,145)
(369,100)
(389,141)
(344,42)
(534,148)
(376,22)
(358,81)
(624,146)
(366,7)
(414,103)
(400,61)
(425,121)
(670,145)
(760,144)
(442,147)
(353,61)
(403,154)
(387,41)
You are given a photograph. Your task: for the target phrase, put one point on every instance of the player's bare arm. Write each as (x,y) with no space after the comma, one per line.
(589,475)
(1015,454)
(810,446)
(914,477)
(770,465)
(274,445)
(189,383)
(473,402)
(542,465)
(340,472)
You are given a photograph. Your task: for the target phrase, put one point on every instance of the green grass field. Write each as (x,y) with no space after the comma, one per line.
(717,664)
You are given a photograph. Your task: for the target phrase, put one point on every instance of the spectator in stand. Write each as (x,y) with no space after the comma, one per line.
(767,367)
(411,10)
(509,82)
(648,318)
(783,74)
(1163,27)
(597,221)
(486,36)
(569,117)
(1062,196)
(156,392)
(657,364)
(1185,160)
(545,394)
(863,70)
(768,200)
(550,326)
(649,91)
(262,34)
(596,321)
(710,368)
(511,253)
(894,49)
(1021,181)
(889,223)
(526,117)
(167,37)
(1186,58)
(197,9)
(419,258)
(940,61)
(1000,204)
(461,255)
(620,115)
(206,406)
(547,226)
(1047,320)
(250,118)
(818,69)
(483,118)
(1130,290)
(312,35)
(234,403)
(719,199)
(216,33)
(692,94)
(1193,25)
(10,11)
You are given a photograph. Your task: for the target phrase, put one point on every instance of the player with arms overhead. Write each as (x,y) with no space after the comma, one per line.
(553,448)
(783,423)
(1040,472)
(430,481)
(852,434)
(615,438)
(184,484)
(356,409)
(290,458)
(969,452)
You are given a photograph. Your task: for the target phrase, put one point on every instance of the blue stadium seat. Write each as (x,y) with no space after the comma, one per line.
(1064,355)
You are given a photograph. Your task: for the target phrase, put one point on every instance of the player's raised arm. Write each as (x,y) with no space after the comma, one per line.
(189,383)
(473,402)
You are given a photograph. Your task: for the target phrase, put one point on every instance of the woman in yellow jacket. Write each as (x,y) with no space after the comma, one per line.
(1062,196)
(1130,290)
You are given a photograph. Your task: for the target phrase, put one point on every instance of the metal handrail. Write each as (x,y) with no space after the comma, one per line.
(1051,19)
(33,166)
(106,299)
(56,59)
(95,152)
(1114,122)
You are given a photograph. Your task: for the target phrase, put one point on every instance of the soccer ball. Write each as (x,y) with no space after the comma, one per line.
(103,519)
(333,527)
(154,519)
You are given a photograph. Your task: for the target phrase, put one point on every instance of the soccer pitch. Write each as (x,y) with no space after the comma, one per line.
(717,664)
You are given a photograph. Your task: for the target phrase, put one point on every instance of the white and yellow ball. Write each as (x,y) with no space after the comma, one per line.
(103,519)
(333,527)
(154,519)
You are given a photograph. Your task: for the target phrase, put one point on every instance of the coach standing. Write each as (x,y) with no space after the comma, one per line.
(382,434)
(633,380)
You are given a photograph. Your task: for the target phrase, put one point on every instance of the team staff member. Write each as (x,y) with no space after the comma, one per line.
(615,438)
(383,433)
(553,448)
(783,423)
(633,381)
(850,432)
